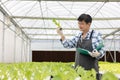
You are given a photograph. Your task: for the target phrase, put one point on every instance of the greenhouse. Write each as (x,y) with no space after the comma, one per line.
(30,45)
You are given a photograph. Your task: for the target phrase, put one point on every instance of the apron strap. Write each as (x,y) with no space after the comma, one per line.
(91,34)
(81,35)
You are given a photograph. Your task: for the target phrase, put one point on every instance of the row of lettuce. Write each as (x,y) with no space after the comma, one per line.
(47,70)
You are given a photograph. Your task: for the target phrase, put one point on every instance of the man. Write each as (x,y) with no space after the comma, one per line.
(87,39)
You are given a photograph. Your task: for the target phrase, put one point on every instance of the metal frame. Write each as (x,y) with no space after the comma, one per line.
(57,34)
(63,28)
(114,51)
(78,0)
(30,52)
(50,18)
(112,33)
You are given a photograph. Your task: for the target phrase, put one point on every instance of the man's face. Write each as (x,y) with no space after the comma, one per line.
(83,25)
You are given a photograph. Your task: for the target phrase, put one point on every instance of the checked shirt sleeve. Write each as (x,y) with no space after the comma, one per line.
(98,40)
(70,43)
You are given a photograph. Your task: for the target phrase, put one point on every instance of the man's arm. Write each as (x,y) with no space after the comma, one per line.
(100,53)
(100,41)
(68,43)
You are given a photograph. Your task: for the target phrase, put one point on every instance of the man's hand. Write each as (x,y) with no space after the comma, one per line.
(94,53)
(59,31)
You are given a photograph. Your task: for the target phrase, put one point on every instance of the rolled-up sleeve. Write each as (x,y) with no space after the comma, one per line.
(100,41)
(67,43)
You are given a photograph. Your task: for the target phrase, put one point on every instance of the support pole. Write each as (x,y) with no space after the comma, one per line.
(15,46)
(114,50)
(21,48)
(105,57)
(3,40)
(30,52)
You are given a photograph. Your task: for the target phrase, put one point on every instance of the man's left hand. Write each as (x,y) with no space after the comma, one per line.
(95,53)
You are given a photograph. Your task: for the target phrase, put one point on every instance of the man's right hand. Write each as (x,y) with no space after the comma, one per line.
(60,33)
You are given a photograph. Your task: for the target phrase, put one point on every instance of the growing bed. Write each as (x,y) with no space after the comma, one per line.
(54,70)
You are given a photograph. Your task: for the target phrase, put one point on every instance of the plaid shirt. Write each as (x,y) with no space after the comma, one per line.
(96,39)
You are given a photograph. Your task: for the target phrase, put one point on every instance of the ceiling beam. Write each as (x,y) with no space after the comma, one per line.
(112,33)
(50,18)
(57,38)
(57,34)
(45,38)
(78,0)
(49,34)
(63,28)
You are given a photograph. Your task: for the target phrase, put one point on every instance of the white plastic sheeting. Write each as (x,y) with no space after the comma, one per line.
(0,41)
(14,46)
(8,46)
(18,49)
(30,14)
(1,36)
(41,45)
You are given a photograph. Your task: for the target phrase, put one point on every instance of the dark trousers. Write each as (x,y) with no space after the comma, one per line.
(98,76)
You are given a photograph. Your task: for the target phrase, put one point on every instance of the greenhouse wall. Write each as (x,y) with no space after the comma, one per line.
(52,50)
(14,45)
(110,45)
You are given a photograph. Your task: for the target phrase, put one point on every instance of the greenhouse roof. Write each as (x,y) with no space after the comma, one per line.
(34,17)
